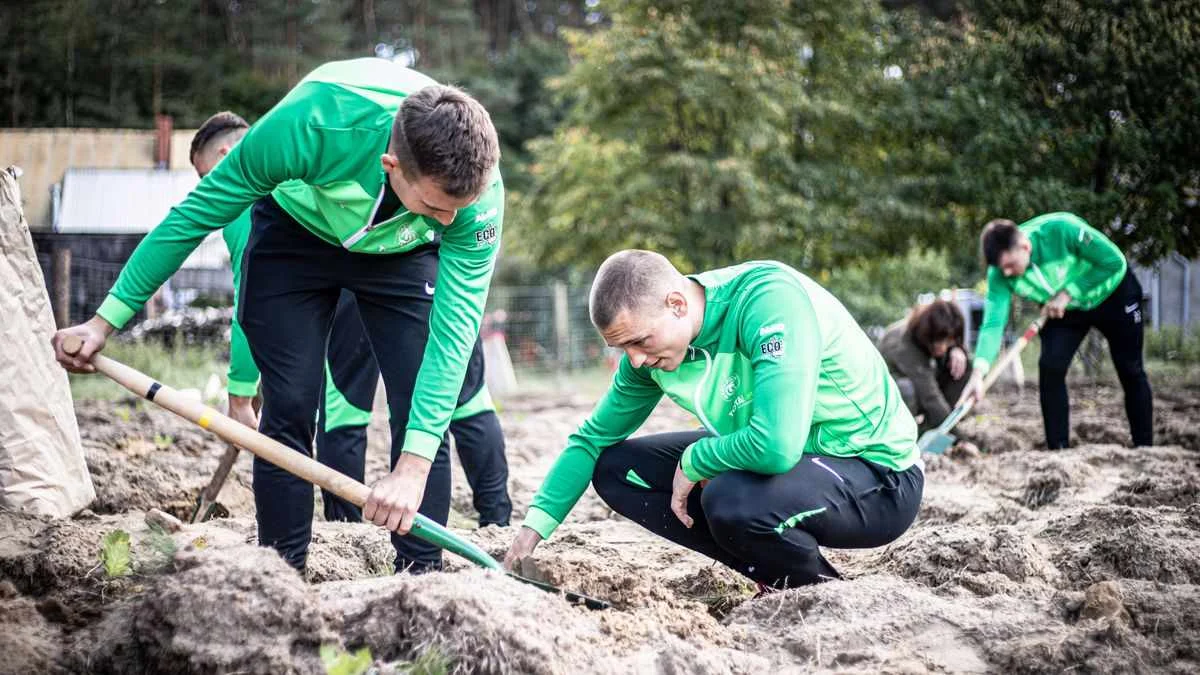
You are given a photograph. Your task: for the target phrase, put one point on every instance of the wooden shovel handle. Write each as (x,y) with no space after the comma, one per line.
(232,431)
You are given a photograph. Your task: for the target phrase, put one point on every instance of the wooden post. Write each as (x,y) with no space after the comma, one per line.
(62,285)
(562,327)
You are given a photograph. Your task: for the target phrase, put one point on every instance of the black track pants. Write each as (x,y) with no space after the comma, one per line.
(1119,320)
(478,438)
(292,281)
(768,528)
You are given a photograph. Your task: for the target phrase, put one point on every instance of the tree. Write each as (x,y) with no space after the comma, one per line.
(1072,105)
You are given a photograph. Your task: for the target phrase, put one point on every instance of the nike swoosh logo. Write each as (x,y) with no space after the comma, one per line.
(1130,308)
(773,328)
(428,289)
(818,462)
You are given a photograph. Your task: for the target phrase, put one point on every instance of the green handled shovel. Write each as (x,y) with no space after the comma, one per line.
(295,463)
(938,441)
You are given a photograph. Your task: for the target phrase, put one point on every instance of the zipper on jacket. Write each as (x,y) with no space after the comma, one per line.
(1042,278)
(366,229)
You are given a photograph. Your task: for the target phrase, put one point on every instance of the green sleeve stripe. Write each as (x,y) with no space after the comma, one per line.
(115,312)
(246,389)
(479,403)
(541,522)
(421,443)
(340,412)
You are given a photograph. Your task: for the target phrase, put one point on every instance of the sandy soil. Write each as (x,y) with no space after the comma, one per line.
(1024,560)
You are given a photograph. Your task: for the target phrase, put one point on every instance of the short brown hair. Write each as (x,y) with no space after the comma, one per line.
(444,133)
(935,322)
(627,280)
(213,128)
(998,236)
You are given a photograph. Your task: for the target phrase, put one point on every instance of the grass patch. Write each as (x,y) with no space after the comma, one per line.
(183,367)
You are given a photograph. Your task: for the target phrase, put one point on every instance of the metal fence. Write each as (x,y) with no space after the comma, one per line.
(545,328)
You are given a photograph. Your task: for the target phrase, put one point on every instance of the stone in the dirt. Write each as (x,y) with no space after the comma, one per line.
(166,521)
(1103,600)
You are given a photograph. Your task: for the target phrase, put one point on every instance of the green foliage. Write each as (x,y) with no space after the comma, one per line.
(431,662)
(879,292)
(1173,345)
(163,441)
(338,661)
(1034,107)
(161,548)
(115,555)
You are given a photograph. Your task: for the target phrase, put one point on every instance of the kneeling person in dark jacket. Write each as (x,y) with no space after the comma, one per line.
(926,356)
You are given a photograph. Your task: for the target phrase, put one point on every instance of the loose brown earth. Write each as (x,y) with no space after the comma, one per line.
(1086,559)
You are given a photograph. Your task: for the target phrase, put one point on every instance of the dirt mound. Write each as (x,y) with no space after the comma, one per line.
(28,643)
(1102,543)
(144,458)
(344,551)
(239,609)
(1177,486)
(882,623)
(1126,626)
(975,557)
(481,621)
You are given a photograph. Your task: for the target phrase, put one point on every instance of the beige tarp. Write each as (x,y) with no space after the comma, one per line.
(42,470)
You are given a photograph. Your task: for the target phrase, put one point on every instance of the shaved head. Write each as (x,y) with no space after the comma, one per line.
(632,281)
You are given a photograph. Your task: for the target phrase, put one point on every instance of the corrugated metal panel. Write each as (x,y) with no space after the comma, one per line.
(120,200)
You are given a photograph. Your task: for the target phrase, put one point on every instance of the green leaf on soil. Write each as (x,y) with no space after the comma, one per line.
(114,553)
(340,662)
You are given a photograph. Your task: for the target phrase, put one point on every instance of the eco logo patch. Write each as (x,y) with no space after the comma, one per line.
(486,236)
(773,347)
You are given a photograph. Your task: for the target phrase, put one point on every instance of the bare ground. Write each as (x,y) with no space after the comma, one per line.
(1022,560)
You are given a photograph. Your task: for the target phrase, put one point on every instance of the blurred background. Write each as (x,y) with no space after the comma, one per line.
(863,142)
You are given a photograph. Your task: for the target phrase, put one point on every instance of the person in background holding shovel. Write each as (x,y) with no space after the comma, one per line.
(806,441)
(1082,281)
(352,375)
(925,353)
(371,177)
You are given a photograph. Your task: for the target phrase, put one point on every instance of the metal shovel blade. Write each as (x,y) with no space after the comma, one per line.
(570,596)
(935,442)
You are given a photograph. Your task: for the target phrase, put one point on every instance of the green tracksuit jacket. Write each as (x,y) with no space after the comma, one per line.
(317,153)
(1068,255)
(778,369)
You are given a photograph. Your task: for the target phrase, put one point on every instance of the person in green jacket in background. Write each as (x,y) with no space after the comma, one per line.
(351,375)
(370,177)
(1083,281)
(806,441)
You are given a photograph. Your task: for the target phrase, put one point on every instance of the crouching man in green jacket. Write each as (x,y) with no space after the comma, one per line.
(806,440)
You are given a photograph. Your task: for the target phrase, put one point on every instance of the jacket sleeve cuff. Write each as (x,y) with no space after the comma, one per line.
(1073,290)
(980,365)
(421,443)
(115,312)
(541,522)
(239,388)
(685,462)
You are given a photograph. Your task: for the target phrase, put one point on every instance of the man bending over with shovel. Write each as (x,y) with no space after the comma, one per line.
(1083,282)
(368,177)
(806,440)
(352,374)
